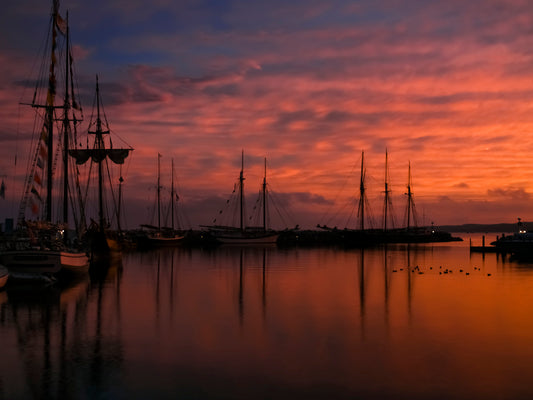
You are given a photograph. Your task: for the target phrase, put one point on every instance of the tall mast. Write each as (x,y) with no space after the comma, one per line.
(362,194)
(50,116)
(241,192)
(99,154)
(409,198)
(264,197)
(66,126)
(410,201)
(387,192)
(49,163)
(99,146)
(158,192)
(119,206)
(172,195)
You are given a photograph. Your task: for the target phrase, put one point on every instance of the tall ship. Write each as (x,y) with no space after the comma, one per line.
(242,234)
(42,242)
(163,236)
(100,154)
(388,233)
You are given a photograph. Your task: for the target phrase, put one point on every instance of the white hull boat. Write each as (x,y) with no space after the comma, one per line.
(44,261)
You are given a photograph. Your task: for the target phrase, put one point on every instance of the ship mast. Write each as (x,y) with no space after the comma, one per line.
(66,127)
(410,202)
(119,206)
(50,116)
(264,197)
(172,195)
(387,204)
(361,209)
(158,192)
(241,193)
(99,146)
(99,154)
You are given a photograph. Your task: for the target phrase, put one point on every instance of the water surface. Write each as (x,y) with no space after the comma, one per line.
(402,322)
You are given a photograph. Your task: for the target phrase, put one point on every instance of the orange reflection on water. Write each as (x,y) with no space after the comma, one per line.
(286,323)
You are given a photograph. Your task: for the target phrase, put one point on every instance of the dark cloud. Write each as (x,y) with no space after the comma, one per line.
(510,193)
(461,185)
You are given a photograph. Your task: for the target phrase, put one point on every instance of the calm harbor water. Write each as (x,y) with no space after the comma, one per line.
(405,322)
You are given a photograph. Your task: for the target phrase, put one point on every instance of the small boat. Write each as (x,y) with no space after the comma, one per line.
(243,235)
(231,235)
(42,246)
(4,275)
(159,238)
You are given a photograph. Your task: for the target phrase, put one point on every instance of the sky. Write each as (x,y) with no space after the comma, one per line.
(309,85)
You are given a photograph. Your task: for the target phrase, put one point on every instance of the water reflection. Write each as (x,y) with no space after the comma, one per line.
(57,338)
(276,323)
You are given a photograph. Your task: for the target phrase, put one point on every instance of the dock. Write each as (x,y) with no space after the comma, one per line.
(483,248)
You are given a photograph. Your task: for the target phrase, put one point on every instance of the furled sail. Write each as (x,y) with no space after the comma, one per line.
(117,156)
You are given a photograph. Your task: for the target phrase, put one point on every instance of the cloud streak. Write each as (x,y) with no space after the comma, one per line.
(309,85)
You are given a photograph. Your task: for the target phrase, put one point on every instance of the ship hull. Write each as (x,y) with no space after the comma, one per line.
(247,239)
(43,261)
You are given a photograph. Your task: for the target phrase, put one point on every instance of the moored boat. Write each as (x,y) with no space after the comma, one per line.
(158,236)
(411,233)
(44,261)
(227,235)
(41,246)
(103,243)
(243,235)
(519,243)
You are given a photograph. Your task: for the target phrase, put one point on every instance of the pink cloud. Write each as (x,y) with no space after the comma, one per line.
(445,86)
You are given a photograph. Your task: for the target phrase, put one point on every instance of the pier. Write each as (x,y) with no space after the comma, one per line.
(483,248)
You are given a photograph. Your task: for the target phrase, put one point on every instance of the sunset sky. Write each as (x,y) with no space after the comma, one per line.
(308,84)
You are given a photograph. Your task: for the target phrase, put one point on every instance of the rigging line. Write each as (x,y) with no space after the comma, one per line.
(119,137)
(74,197)
(30,168)
(369,214)
(152,208)
(278,209)
(339,211)
(85,197)
(123,205)
(114,200)
(181,215)
(17,134)
(325,214)
(106,123)
(352,213)
(73,208)
(59,147)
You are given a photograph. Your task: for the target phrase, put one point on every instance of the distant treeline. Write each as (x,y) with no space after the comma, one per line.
(482,228)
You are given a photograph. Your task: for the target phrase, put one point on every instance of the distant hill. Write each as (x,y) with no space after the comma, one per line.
(484,228)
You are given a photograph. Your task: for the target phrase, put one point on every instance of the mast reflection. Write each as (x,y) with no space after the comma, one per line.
(58,327)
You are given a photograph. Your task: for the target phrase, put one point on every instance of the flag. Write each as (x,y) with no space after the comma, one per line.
(43,151)
(36,193)
(61,24)
(34,207)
